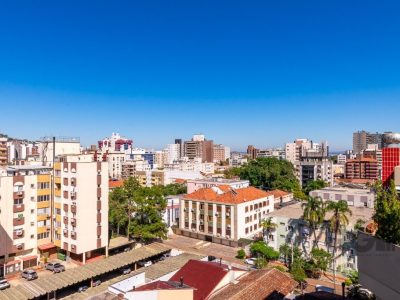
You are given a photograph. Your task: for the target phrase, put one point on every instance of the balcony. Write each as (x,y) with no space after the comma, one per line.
(98,205)
(18,247)
(18,221)
(73,248)
(98,192)
(98,230)
(65,207)
(65,220)
(73,235)
(73,208)
(98,179)
(73,181)
(98,243)
(17,208)
(98,217)
(18,234)
(65,233)
(18,195)
(73,222)
(73,195)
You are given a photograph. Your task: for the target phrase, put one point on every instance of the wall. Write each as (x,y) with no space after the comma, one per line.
(379,266)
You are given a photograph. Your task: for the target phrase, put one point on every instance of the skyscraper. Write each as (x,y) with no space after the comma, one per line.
(361,140)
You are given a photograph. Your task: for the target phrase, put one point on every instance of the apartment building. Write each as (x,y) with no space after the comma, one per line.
(194,185)
(3,151)
(353,197)
(221,153)
(294,150)
(362,168)
(197,148)
(164,177)
(361,140)
(292,229)
(81,206)
(223,214)
(129,168)
(25,216)
(252,151)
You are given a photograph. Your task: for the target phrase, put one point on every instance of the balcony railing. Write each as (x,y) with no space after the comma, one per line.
(18,208)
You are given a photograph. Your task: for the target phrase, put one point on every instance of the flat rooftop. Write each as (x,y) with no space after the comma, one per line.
(343,190)
(294,211)
(27,168)
(217,180)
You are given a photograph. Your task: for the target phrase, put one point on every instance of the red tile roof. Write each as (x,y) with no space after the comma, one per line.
(180,181)
(279,193)
(258,285)
(231,196)
(115,183)
(203,276)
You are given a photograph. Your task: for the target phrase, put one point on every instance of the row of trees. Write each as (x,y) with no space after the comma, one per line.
(136,211)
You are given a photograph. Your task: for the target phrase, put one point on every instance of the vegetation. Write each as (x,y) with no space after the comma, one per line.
(286,251)
(340,218)
(318,262)
(241,254)
(138,211)
(359,225)
(297,271)
(352,276)
(267,225)
(314,214)
(314,185)
(387,213)
(280,268)
(269,173)
(261,262)
(260,248)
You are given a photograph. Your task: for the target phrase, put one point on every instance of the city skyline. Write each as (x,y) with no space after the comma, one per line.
(154,72)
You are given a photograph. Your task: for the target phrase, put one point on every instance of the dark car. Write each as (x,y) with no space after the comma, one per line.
(29,274)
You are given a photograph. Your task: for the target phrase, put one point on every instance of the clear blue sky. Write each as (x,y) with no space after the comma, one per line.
(241,72)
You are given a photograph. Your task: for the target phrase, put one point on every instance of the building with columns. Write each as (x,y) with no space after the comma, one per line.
(223,214)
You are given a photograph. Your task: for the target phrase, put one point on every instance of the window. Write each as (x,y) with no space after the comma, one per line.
(255,217)
(251,207)
(43,185)
(43,198)
(247,230)
(32,186)
(43,235)
(246,209)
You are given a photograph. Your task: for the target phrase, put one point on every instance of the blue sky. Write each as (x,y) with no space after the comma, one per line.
(241,72)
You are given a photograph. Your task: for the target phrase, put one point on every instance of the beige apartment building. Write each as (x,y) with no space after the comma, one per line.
(3,151)
(81,206)
(25,218)
(223,214)
(36,224)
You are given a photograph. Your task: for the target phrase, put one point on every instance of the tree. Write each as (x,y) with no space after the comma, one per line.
(268,225)
(139,210)
(261,248)
(387,213)
(288,252)
(320,259)
(340,218)
(359,225)
(269,173)
(241,254)
(314,185)
(314,214)
(297,271)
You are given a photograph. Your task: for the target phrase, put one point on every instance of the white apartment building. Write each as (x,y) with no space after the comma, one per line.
(195,165)
(292,229)
(353,197)
(115,161)
(25,216)
(174,152)
(237,160)
(81,206)
(341,159)
(63,146)
(294,150)
(130,167)
(194,185)
(221,153)
(224,215)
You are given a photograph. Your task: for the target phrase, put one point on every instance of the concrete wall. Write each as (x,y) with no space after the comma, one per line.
(379,266)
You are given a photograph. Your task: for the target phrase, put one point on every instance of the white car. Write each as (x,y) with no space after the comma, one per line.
(250,261)
(4,284)
(145,263)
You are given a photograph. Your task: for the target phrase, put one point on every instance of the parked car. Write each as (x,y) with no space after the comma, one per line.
(82,288)
(29,274)
(250,261)
(56,267)
(96,283)
(4,284)
(126,271)
(145,263)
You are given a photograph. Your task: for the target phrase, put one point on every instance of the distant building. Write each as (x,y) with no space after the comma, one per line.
(115,143)
(3,151)
(237,159)
(362,168)
(199,149)
(221,153)
(341,159)
(272,152)
(294,150)
(252,152)
(194,185)
(353,197)
(361,139)
(390,156)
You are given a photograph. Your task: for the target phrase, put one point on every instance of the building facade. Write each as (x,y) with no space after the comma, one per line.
(362,168)
(194,185)
(361,140)
(3,152)
(353,197)
(224,214)
(390,160)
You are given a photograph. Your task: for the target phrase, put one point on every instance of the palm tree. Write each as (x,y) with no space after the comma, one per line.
(314,214)
(268,225)
(340,218)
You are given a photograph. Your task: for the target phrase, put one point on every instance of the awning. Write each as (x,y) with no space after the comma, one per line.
(30,257)
(45,247)
(13,262)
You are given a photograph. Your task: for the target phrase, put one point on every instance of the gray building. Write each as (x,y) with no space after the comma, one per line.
(361,140)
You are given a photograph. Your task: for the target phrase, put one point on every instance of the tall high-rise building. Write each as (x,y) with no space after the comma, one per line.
(3,151)
(361,140)
(252,151)
(199,147)
(390,156)
(180,144)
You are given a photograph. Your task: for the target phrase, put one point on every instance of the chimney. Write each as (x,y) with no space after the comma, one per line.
(181,282)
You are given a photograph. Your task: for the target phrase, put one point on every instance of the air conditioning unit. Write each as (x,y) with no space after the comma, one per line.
(228,214)
(216,214)
(185,209)
(228,226)
(192,210)
(18,232)
(201,222)
(19,246)
(228,236)
(218,235)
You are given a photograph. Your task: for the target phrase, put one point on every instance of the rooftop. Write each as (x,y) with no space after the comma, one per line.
(343,190)
(162,285)
(294,211)
(115,183)
(258,285)
(219,180)
(279,193)
(230,196)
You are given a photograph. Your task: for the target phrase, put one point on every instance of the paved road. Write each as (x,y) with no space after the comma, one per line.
(203,248)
